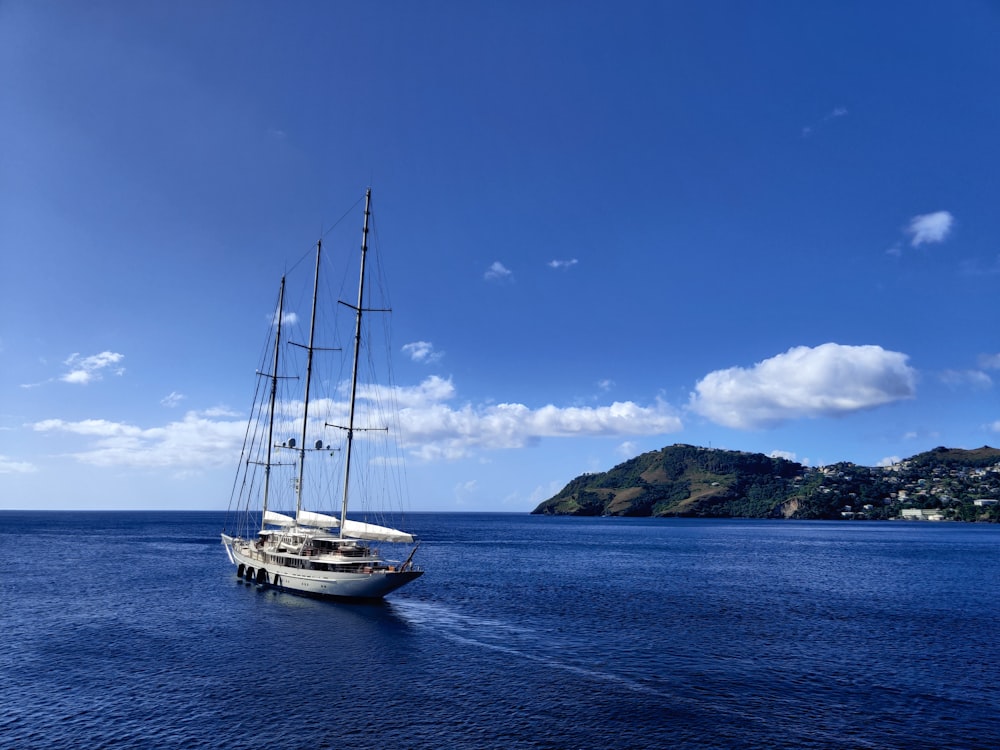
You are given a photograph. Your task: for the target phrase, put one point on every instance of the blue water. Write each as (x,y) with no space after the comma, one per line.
(131,630)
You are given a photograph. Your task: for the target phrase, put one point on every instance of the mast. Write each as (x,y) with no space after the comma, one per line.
(305,404)
(274,395)
(354,369)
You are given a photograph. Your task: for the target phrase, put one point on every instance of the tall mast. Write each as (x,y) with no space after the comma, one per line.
(309,366)
(354,370)
(274,395)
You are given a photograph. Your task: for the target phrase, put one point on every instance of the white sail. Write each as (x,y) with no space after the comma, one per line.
(278,519)
(318,520)
(355,529)
(360,530)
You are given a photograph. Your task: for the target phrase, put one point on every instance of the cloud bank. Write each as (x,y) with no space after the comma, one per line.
(826,381)
(436,430)
(430,427)
(197,441)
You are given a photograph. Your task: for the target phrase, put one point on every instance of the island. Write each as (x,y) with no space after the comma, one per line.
(943,484)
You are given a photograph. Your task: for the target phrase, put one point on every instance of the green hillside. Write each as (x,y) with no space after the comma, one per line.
(686,480)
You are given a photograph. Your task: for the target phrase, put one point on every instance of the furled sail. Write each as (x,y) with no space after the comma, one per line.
(360,530)
(278,519)
(318,520)
(354,529)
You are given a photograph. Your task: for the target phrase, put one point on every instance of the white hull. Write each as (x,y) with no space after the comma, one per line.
(324,583)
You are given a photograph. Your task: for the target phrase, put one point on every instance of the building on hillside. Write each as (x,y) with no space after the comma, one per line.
(921,514)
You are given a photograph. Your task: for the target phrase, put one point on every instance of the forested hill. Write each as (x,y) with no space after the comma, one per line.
(685,480)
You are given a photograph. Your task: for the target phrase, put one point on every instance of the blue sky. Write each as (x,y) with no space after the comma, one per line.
(608,227)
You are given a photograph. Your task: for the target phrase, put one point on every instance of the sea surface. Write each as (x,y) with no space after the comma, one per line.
(131,630)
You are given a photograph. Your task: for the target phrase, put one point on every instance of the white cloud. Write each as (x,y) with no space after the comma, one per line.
(560,264)
(628,449)
(432,390)
(825,381)
(466,491)
(428,427)
(929,228)
(172,400)
(606,384)
(975,378)
(194,442)
(995,427)
(9,465)
(787,455)
(889,461)
(422,351)
(835,112)
(98,427)
(989,361)
(220,411)
(498,272)
(434,430)
(287,318)
(85,370)
(976,267)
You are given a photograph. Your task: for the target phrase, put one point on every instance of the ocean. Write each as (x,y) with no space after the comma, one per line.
(131,630)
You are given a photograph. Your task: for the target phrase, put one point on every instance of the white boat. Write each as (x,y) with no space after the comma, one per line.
(310,549)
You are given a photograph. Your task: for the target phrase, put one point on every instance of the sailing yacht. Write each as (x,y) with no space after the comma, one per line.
(309,550)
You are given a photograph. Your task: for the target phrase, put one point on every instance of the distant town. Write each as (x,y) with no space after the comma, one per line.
(914,490)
